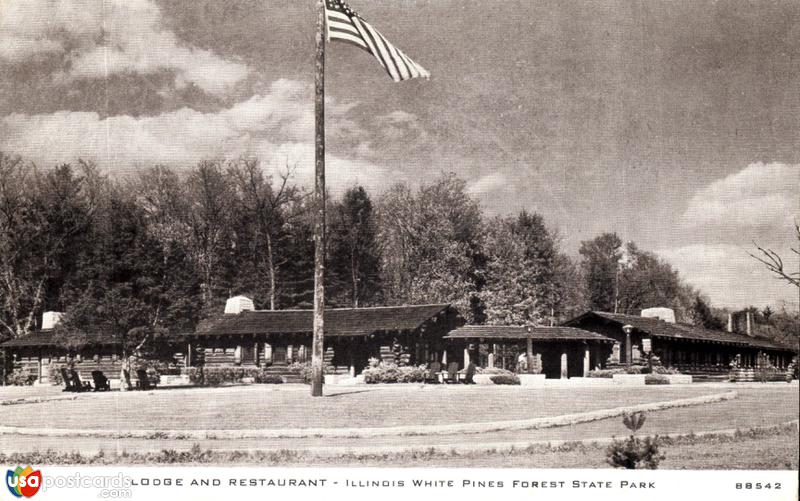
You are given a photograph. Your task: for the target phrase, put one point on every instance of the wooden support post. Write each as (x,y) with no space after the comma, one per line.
(317,369)
(189,354)
(529,354)
(564,367)
(628,350)
(587,357)
(466,356)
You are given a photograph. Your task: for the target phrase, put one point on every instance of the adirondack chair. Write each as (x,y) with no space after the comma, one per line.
(101,382)
(143,382)
(434,368)
(69,384)
(452,372)
(79,385)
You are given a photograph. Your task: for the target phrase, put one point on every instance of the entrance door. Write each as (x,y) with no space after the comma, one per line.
(248,355)
(279,355)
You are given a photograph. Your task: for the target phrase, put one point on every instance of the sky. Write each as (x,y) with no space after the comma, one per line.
(675,123)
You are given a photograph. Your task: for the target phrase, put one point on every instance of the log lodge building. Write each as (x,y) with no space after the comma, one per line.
(420,335)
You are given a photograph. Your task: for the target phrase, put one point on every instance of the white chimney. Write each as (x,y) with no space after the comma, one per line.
(50,319)
(238,304)
(665,314)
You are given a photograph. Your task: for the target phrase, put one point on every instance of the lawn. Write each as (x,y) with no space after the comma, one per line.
(772,450)
(271,407)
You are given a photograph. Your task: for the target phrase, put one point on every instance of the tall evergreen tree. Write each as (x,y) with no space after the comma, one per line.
(353,256)
(600,260)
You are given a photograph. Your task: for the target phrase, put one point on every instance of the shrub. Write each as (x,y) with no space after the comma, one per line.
(391,373)
(304,370)
(605,373)
(656,379)
(264,378)
(382,373)
(493,371)
(20,377)
(215,376)
(634,453)
(411,374)
(660,369)
(54,374)
(505,379)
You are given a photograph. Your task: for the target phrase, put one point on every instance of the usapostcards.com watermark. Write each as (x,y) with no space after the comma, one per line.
(110,486)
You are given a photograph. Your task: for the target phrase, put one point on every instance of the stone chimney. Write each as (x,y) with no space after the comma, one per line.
(238,304)
(665,314)
(50,319)
(730,322)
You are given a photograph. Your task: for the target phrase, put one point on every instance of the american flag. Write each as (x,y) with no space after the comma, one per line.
(345,25)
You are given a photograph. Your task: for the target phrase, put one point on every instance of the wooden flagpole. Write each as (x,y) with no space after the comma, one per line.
(317,350)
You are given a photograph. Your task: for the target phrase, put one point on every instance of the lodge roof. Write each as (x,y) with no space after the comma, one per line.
(522,332)
(659,328)
(46,338)
(338,321)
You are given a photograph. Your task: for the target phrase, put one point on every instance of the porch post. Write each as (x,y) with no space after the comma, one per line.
(189,354)
(587,356)
(529,354)
(628,349)
(466,356)
(564,371)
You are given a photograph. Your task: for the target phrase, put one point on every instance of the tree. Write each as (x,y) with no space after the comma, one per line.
(646,281)
(354,256)
(522,268)
(600,261)
(266,210)
(430,243)
(44,220)
(210,204)
(124,290)
(773,262)
(701,315)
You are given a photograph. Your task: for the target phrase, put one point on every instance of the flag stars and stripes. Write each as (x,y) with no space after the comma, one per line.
(345,25)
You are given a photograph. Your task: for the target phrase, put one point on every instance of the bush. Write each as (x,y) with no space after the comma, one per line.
(391,373)
(493,371)
(634,453)
(215,376)
(382,373)
(264,378)
(656,379)
(20,377)
(54,374)
(605,373)
(660,369)
(411,374)
(505,379)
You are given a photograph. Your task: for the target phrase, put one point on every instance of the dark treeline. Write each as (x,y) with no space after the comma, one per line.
(141,257)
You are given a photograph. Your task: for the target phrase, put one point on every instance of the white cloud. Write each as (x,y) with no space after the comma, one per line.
(276,127)
(759,197)
(113,36)
(730,276)
(490,183)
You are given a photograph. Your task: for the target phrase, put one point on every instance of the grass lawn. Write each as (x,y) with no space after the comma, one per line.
(265,406)
(772,450)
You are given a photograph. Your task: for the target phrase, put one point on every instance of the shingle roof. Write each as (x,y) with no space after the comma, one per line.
(338,322)
(521,332)
(45,338)
(659,328)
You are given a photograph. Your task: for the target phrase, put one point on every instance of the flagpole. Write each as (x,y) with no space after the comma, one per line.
(317,350)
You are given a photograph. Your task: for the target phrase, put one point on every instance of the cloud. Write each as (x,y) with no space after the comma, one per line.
(729,275)
(276,127)
(758,199)
(99,38)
